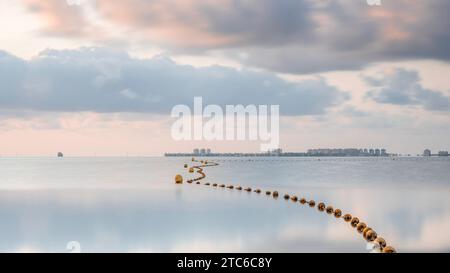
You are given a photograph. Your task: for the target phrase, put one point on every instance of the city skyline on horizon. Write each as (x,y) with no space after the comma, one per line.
(199,152)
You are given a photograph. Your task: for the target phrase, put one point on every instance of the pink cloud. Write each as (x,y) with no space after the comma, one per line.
(57,16)
(169,22)
(284,36)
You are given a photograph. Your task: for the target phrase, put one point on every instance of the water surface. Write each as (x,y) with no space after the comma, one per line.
(131,204)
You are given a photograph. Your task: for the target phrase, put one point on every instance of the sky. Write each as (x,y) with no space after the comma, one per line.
(100,77)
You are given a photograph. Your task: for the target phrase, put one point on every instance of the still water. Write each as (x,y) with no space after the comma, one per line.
(131,204)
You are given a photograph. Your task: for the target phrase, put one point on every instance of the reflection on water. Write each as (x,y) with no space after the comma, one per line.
(132,205)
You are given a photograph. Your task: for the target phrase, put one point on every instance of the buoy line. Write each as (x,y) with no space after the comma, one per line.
(378,243)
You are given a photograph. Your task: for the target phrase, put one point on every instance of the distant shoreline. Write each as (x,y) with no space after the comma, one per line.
(265,155)
(294,155)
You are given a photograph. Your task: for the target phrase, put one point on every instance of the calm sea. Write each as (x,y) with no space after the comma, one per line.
(131,204)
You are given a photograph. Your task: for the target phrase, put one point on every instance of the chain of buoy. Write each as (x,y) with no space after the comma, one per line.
(378,243)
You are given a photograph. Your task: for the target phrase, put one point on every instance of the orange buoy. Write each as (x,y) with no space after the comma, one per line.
(321,206)
(371,235)
(329,209)
(389,249)
(286,196)
(347,217)
(275,194)
(178,179)
(294,198)
(303,201)
(380,242)
(354,222)
(312,203)
(367,229)
(268,193)
(337,213)
(360,227)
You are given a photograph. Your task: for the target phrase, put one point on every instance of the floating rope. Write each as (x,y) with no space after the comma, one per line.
(378,243)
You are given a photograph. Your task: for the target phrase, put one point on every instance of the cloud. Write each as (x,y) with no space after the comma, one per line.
(104,80)
(58,18)
(403,87)
(301,36)
(349,35)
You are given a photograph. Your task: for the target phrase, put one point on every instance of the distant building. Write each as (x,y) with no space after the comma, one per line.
(443,153)
(201,152)
(346,152)
(350,152)
(427,152)
(276,152)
